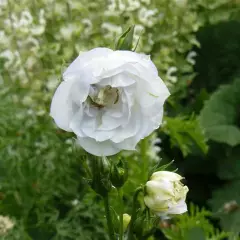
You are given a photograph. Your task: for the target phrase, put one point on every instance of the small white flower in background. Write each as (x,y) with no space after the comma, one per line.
(165,194)
(87,26)
(112,30)
(191,57)
(68,30)
(133,5)
(110,100)
(147,16)
(170,73)
(153,149)
(75,202)
(146,1)
(181,3)
(5,225)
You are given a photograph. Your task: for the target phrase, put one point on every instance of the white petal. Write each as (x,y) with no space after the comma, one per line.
(170,176)
(106,148)
(84,59)
(130,129)
(156,205)
(180,208)
(128,144)
(62,107)
(120,80)
(162,189)
(109,123)
(152,123)
(143,59)
(148,93)
(76,122)
(80,88)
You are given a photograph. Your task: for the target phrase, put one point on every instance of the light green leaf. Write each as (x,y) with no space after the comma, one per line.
(185,133)
(125,42)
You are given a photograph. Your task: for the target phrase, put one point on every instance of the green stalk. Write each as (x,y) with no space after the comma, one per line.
(120,197)
(143,151)
(134,213)
(109,218)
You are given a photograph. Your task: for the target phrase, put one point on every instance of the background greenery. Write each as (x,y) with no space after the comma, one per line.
(196,47)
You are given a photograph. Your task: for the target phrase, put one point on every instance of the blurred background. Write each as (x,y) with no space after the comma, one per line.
(196,46)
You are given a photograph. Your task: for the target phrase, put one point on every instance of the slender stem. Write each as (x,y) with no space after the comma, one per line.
(120,196)
(109,218)
(134,212)
(143,152)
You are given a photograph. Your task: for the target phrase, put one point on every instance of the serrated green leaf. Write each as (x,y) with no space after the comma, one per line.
(185,133)
(219,115)
(229,167)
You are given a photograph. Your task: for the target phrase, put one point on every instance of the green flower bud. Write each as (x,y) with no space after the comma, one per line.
(126,221)
(125,42)
(119,173)
(101,176)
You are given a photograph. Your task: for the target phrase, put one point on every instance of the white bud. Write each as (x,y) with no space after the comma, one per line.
(165,194)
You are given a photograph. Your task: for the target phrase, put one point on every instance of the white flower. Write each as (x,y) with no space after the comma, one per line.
(165,194)
(110,100)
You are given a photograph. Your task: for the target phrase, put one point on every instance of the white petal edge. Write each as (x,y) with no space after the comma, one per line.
(106,148)
(62,108)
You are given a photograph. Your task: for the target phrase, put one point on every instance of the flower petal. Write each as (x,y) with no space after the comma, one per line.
(170,176)
(106,148)
(179,208)
(84,59)
(76,122)
(62,108)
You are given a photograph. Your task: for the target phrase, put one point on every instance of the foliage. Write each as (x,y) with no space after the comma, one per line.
(220,115)
(184,133)
(41,179)
(217,59)
(42,183)
(195,225)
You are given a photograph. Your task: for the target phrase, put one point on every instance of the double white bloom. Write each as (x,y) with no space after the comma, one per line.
(110,100)
(165,194)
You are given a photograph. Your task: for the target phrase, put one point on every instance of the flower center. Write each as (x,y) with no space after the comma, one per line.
(104,97)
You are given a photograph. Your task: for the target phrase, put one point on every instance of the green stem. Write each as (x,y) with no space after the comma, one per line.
(109,218)
(143,151)
(120,196)
(134,213)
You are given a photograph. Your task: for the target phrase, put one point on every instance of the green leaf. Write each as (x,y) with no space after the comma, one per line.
(220,114)
(229,167)
(184,133)
(196,234)
(125,42)
(221,203)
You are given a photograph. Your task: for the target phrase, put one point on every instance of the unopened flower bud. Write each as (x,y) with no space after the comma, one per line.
(119,173)
(165,194)
(126,221)
(101,180)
